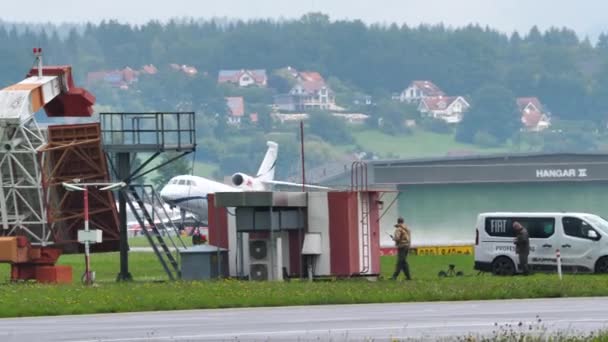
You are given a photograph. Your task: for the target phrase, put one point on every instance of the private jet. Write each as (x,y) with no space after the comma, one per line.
(189,193)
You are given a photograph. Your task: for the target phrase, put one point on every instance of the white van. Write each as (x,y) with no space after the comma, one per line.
(582,240)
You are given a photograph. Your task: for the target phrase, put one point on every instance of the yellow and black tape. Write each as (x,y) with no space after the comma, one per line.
(444,250)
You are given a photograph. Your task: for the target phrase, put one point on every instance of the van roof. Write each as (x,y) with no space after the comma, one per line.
(533,213)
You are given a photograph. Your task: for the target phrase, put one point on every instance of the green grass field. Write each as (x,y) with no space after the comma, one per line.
(150,291)
(419,144)
(142,241)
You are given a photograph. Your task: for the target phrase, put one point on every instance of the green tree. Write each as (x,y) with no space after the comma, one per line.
(392,116)
(493,112)
(330,128)
(180,166)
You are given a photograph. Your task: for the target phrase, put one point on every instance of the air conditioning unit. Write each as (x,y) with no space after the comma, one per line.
(259,260)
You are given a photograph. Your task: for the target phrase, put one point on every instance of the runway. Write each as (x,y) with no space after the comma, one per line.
(380,322)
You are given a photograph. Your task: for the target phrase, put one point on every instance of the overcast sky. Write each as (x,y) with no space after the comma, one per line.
(584,16)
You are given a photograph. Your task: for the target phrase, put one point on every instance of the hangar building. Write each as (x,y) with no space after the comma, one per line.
(441,197)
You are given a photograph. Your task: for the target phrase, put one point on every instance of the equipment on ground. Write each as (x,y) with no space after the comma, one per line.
(451,272)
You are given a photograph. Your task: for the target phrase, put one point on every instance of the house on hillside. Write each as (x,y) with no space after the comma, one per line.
(115,78)
(236,107)
(418,90)
(243,78)
(186,69)
(352,118)
(149,69)
(533,116)
(290,117)
(309,92)
(447,108)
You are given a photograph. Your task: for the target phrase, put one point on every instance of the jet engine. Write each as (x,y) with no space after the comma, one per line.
(242,180)
(247,183)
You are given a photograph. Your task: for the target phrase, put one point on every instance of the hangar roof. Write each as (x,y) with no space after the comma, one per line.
(498,168)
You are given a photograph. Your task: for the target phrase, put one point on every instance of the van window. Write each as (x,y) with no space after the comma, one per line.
(538,227)
(576,227)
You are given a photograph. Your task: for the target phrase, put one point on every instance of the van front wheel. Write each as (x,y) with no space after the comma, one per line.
(503,266)
(601,266)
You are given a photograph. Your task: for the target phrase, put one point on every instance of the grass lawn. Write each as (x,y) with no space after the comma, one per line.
(419,144)
(149,291)
(142,241)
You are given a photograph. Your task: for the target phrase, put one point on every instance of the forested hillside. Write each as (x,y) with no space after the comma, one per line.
(568,73)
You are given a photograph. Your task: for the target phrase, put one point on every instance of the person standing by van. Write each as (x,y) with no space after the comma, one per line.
(402,238)
(522,246)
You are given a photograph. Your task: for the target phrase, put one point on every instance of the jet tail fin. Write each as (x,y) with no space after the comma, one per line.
(267,168)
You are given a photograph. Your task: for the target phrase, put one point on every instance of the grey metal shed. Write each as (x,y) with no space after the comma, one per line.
(203,262)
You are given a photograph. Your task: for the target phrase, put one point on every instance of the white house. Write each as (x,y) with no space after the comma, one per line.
(417,90)
(533,116)
(243,78)
(447,108)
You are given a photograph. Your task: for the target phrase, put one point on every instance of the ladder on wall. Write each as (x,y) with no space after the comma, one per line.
(157,226)
(359,183)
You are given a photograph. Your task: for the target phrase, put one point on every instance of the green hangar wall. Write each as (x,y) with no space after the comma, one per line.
(447,213)
(441,197)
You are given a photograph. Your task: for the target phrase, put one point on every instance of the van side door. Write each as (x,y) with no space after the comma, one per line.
(543,241)
(578,243)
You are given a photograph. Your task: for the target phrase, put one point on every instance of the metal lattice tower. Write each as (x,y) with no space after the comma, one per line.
(22,208)
(22,195)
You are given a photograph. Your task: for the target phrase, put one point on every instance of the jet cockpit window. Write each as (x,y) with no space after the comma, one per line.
(182,182)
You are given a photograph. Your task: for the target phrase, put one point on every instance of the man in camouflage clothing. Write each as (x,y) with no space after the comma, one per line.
(522,246)
(402,239)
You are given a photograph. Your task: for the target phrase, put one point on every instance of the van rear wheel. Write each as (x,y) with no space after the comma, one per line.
(503,266)
(601,266)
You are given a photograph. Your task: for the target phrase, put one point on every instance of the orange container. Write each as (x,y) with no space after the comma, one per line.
(10,251)
(60,274)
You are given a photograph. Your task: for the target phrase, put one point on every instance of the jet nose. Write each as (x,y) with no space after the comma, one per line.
(165,194)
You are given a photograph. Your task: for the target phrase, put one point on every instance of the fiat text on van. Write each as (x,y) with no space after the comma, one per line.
(581,238)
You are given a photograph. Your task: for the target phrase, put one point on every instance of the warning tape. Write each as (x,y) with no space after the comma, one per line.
(432,250)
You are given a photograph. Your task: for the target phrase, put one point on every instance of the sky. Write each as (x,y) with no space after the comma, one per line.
(586,17)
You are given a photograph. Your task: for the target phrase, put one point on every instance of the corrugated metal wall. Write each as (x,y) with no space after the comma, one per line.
(447,213)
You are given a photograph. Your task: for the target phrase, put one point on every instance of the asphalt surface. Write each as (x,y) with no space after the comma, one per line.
(377,322)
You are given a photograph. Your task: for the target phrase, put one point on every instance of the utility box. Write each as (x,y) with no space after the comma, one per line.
(203,262)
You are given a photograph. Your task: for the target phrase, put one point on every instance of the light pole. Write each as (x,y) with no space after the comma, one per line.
(88,236)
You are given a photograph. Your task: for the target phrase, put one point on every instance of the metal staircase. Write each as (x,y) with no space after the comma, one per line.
(157,226)
(126,134)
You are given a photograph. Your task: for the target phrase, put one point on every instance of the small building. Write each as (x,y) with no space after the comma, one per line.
(186,69)
(273,235)
(116,78)
(533,116)
(290,117)
(352,118)
(418,90)
(447,108)
(243,78)
(236,107)
(309,92)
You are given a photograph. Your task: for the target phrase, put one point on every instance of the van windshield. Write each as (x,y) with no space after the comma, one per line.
(597,222)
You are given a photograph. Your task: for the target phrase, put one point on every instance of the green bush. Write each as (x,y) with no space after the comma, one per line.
(436,125)
(485,139)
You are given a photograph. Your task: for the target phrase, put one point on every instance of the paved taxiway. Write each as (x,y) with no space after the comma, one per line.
(316,323)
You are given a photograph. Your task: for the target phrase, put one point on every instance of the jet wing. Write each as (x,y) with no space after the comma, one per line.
(295,185)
